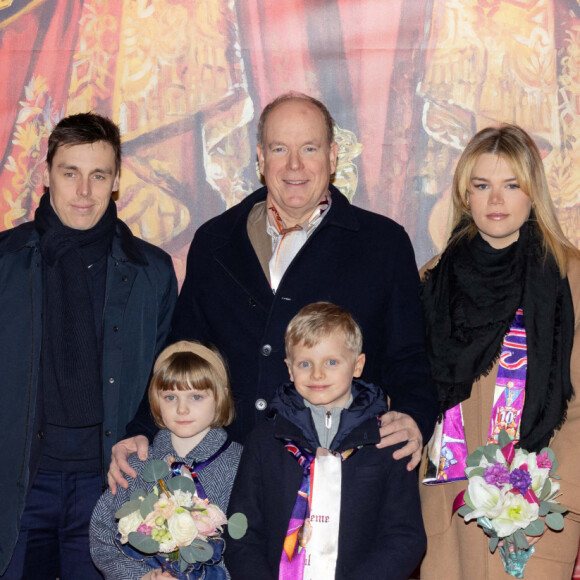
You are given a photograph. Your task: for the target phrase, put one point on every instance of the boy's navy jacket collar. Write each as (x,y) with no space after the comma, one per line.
(358,424)
(124,248)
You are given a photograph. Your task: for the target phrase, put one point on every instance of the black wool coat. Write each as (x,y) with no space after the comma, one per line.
(359,260)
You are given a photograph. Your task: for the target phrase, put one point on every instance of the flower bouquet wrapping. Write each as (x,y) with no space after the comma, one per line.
(511,493)
(173,529)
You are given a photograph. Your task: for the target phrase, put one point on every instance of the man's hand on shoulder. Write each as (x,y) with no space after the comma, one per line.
(398,427)
(119,464)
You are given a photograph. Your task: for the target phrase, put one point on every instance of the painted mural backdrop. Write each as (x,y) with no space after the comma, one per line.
(408,82)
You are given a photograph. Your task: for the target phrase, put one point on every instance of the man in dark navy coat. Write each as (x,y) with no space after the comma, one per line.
(86,308)
(296,241)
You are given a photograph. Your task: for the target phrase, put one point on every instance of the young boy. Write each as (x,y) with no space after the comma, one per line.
(322,500)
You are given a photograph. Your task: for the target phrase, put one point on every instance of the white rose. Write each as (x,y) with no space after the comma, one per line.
(182,527)
(486,498)
(129,524)
(516,514)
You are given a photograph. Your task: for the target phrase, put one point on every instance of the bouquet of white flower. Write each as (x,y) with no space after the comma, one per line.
(173,528)
(510,493)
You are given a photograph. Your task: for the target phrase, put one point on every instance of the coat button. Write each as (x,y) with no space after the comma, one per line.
(125,278)
(107,433)
(261,404)
(40,434)
(266,350)
(111,380)
(115,329)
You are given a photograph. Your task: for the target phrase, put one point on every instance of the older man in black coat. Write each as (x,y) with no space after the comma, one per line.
(296,241)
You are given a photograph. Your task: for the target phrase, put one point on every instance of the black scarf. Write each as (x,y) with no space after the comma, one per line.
(70,366)
(470,299)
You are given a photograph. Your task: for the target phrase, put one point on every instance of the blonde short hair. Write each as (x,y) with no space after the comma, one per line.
(189,365)
(317,320)
(518,149)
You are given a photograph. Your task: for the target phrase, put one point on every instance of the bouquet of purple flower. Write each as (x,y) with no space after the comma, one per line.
(511,493)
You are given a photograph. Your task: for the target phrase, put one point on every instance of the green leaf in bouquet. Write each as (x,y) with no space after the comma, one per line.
(544,509)
(143,543)
(147,505)
(554,461)
(197,551)
(546,489)
(519,540)
(237,525)
(128,508)
(535,528)
(474,458)
(467,500)
(155,470)
(503,438)
(138,494)
(463,511)
(493,542)
(485,523)
(490,452)
(555,521)
(182,483)
(556,507)
(477,471)
(183,564)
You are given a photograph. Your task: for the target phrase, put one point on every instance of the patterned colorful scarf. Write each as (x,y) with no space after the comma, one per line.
(307,551)
(287,241)
(447,450)
(180,468)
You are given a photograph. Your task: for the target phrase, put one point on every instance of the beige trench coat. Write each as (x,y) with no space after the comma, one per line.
(456,550)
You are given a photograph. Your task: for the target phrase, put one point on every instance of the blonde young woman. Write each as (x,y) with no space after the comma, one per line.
(507,266)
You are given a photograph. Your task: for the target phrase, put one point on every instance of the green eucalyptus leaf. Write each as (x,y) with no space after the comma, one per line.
(474,459)
(143,543)
(155,470)
(555,521)
(467,500)
(544,509)
(493,542)
(503,438)
(147,504)
(490,452)
(545,490)
(128,508)
(556,507)
(183,564)
(182,483)
(197,551)
(535,528)
(554,461)
(237,526)
(477,471)
(138,494)
(520,540)
(463,511)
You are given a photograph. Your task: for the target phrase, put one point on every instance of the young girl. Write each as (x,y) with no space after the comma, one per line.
(191,401)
